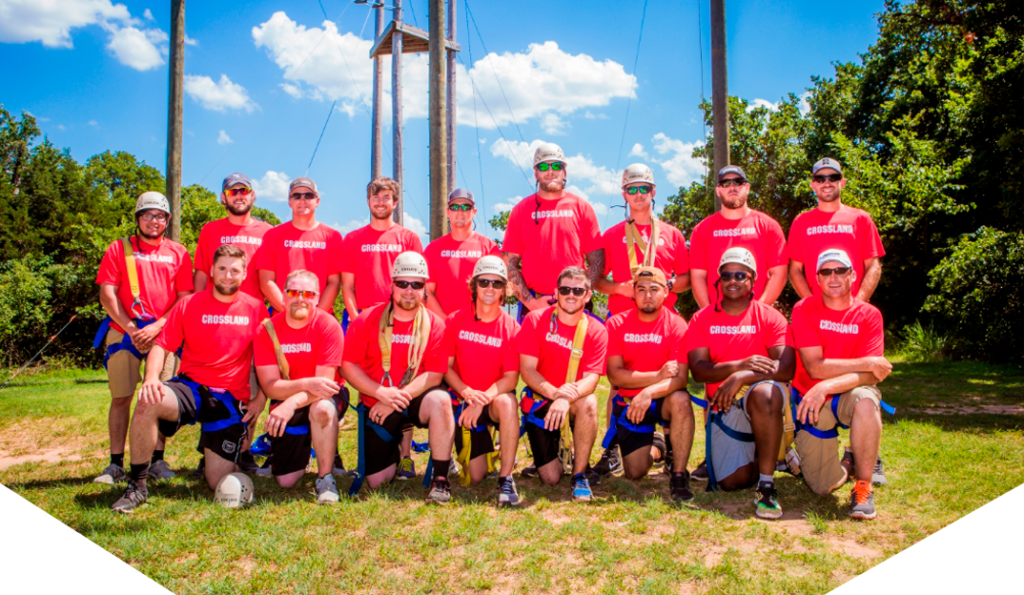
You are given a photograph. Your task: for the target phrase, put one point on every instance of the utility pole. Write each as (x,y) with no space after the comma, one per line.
(719,92)
(174,116)
(378,89)
(438,128)
(396,109)
(451,115)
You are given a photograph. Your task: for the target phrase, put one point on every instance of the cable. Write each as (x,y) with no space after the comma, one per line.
(703,120)
(636,59)
(476,124)
(317,147)
(495,71)
(38,353)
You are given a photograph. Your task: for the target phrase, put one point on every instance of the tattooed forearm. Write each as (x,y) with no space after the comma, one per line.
(595,266)
(515,276)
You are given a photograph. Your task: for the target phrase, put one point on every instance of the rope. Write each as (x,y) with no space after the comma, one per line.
(495,71)
(38,353)
(703,120)
(636,59)
(476,125)
(324,129)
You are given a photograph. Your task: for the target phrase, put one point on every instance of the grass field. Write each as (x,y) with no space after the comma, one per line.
(955,444)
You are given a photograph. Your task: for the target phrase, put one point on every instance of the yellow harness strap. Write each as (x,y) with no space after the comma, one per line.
(788,425)
(420,334)
(633,238)
(133,274)
(282,362)
(575,356)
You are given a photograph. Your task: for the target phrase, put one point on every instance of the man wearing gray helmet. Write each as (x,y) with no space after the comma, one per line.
(140,279)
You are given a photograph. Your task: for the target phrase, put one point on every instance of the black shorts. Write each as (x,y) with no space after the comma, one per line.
(480,441)
(290,452)
(225,442)
(380,453)
(629,440)
(544,443)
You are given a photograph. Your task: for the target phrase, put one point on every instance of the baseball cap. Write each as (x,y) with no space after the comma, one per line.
(826,163)
(236,178)
(463,194)
(731,169)
(836,255)
(306,182)
(650,274)
(739,256)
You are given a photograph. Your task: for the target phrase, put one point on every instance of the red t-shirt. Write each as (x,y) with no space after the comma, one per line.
(732,338)
(646,346)
(756,232)
(841,334)
(319,343)
(483,351)
(287,248)
(553,349)
(163,271)
(363,347)
(247,237)
(370,255)
(217,338)
(549,237)
(451,267)
(670,257)
(847,229)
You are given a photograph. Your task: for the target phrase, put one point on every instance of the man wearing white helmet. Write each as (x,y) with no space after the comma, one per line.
(548,231)
(483,370)
(742,350)
(395,357)
(140,279)
(451,258)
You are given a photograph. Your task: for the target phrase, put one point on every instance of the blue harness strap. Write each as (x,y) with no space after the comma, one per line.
(229,402)
(125,343)
(834,404)
(622,420)
(529,406)
(363,418)
(715,417)
(699,402)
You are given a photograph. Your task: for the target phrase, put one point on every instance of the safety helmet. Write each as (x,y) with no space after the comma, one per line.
(739,256)
(410,264)
(234,490)
(152,200)
(490,265)
(638,172)
(548,152)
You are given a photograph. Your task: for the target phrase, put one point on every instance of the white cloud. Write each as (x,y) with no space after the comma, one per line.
(592,116)
(507,205)
(273,186)
(602,179)
(61,127)
(190,41)
(292,90)
(93,123)
(638,151)
(220,95)
(600,208)
(772,107)
(148,15)
(804,106)
(351,225)
(223,138)
(137,48)
(678,162)
(416,226)
(553,124)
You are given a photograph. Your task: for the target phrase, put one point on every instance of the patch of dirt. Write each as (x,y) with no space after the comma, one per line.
(53,455)
(714,554)
(849,547)
(1015,409)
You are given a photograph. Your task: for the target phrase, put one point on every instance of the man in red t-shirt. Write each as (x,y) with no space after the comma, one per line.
(451,258)
(834,225)
(841,342)
(137,302)
(215,330)
(549,231)
(737,225)
(483,370)
(298,365)
(740,348)
(645,349)
(552,342)
(302,243)
(395,358)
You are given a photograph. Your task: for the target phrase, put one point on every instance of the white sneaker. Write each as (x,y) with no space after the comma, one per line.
(111,475)
(160,470)
(326,490)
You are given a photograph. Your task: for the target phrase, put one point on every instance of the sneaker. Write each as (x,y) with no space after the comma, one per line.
(701,472)
(160,470)
(659,443)
(791,464)
(862,501)
(111,475)
(440,491)
(507,494)
(454,470)
(406,469)
(847,463)
(878,474)
(581,491)
(529,471)
(767,501)
(246,462)
(592,476)
(679,486)
(326,490)
(610,461)
(265,469)
(200,468)
(667,469)
(133,497)
(339,465)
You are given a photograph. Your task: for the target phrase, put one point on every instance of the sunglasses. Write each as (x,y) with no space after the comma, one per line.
(827,178)
(576,291)
(302,196)
(159,217)
(237,191)
(417,285)
(739,276)
(640,189)
(556,166)
(495,283)
(460,207)
(298,293)
(729,183)
(834,271)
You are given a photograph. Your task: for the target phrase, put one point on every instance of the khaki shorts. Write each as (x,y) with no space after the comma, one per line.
(123,369)
(819,457)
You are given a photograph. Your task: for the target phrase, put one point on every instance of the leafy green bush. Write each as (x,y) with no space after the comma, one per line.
(920,343)
(24,308)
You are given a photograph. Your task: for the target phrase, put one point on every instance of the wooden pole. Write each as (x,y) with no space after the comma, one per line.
(438,129)
(719,92)
(451,112)
(377,141)
(396,108)
(174,117)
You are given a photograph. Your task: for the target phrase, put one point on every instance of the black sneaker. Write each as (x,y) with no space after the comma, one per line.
(701,472)
(440,491)
(507,494)
(659,443)
(604,464)
(878,474)
(529,471)
(133,497)
(667,470)
(201,468)
(246,462)
(767,501)
(679,485)
(592,476)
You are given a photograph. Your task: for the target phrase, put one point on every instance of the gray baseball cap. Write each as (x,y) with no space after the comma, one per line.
(236,178)
(731,169)
(463,194)
(303,182)
(826,163)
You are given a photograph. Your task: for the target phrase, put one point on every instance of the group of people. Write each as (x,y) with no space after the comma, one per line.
(426,342)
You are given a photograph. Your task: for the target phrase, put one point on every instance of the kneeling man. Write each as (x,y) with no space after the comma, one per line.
(840,340)
(215,329)
(740,349)
(298,355)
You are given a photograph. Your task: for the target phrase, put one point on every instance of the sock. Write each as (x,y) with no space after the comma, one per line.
(117,459)
(766,478)
(679,473)
(502,480)
(139,473)
(441,467)
(158,455)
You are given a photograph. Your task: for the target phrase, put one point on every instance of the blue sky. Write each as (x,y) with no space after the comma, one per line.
(261,79)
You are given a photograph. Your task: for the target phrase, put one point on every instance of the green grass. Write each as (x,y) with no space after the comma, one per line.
(940,467)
